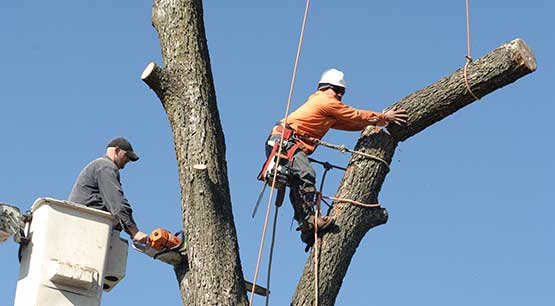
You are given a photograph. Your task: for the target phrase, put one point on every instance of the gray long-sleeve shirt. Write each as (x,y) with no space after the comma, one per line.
(98,186)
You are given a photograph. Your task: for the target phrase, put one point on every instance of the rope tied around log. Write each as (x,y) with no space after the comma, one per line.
(468,56)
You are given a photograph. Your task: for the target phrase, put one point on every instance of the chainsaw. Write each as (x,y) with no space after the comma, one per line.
(164,246)
(170,248)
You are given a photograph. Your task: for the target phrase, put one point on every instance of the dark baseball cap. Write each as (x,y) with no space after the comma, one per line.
(124,144)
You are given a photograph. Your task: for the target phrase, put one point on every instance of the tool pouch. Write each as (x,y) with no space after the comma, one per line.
(279,165)
(272,165)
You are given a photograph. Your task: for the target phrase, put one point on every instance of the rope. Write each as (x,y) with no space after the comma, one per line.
(352,202)
(316,216)
(279,151)
(296,61)
(468,56)
(263,235)
(343,149)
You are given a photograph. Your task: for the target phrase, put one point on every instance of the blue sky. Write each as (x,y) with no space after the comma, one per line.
(470,198)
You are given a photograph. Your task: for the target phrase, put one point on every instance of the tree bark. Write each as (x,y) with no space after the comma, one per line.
(185,88)
(364,177)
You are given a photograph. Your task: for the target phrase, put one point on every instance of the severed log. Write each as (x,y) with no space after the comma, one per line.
(364,177)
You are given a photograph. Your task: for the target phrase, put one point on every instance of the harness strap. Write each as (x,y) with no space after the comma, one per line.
(291,152)
(288,135)
(287,131)
(262,174)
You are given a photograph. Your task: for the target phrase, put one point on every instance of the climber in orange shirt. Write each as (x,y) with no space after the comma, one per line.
(323,110)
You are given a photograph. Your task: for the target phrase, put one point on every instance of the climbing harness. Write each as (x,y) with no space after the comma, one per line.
(278,165)
(468,56)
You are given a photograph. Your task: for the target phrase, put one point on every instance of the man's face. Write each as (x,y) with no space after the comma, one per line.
(339,95)
(339,92)
(121,158)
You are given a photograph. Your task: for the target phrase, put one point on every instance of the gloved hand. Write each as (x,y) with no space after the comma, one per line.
(397,116)
(140,237)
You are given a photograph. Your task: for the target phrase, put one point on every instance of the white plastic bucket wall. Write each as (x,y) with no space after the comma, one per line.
(116,262)
(64,262)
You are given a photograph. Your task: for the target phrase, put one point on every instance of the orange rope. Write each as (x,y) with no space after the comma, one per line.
(263,235)
(296,61)
(279,152)
(468,56)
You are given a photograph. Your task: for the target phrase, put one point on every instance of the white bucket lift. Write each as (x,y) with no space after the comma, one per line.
(72,254)
(69,253)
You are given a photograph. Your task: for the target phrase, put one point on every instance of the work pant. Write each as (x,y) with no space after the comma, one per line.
(302,180)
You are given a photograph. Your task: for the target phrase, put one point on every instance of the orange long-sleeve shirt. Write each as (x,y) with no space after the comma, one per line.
(322,112)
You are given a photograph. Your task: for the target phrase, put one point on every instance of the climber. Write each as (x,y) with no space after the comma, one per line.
(323,110)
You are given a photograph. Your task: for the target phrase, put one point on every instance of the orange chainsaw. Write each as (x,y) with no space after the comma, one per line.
(169,248)
(164,246)
(162,240)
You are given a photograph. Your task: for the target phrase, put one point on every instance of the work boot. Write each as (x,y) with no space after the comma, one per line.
(308,239)
(307,229)
(322,222)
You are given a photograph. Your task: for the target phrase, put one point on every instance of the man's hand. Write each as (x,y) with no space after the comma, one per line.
(397,116)
(140,237)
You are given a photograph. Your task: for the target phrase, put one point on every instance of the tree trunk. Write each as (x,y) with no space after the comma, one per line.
(185,88)
(364,177)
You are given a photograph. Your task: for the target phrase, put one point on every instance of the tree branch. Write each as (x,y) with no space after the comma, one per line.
(500,67)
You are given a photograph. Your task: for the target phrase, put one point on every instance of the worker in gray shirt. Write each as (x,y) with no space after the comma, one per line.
(98,186)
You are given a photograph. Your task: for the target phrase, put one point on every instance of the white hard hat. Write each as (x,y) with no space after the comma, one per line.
(333,77)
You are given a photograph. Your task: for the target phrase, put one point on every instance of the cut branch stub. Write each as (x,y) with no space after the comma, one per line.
(155,78)
(151,75)
(199,167)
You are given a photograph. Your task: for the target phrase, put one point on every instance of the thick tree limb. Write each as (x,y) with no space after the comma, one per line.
(500,67)
(364,177)
(185,88)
